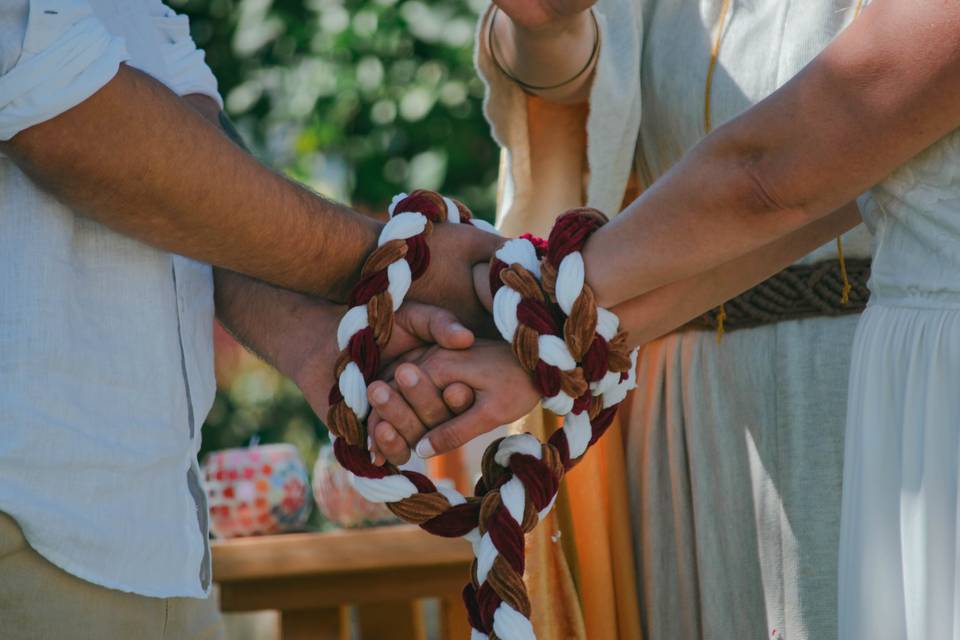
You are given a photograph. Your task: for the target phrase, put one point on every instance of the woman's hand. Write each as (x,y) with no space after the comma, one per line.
(411,416)
(535,15)
(307,342)
(545,43)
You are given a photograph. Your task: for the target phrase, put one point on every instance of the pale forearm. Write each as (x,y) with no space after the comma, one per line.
(136,158)
(884,90)
(546,55)
(704,213)
(665,309)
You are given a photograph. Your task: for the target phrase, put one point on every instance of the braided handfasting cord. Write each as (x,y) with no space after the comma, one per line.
(402,256)
(581,366)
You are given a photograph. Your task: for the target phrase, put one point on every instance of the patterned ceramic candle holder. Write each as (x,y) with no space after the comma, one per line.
(257,490)
(338,501)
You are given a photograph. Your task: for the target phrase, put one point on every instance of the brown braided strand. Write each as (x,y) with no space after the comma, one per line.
(523,282)
(420,507)
(580,327)
(526,347)
(380,317)
(383,256)
(343,423)
(548,280)
(619,353)
(509,586)
(573,383)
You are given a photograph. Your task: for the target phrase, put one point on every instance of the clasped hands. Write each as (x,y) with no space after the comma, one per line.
(438,377)
(434,398)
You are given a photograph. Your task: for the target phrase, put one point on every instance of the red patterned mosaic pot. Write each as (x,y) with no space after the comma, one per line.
(338,501)
(256,490)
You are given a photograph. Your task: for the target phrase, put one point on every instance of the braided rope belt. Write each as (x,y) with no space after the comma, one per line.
(573,350)
(799,291)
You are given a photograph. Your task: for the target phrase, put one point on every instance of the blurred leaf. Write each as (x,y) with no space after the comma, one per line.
(359,99)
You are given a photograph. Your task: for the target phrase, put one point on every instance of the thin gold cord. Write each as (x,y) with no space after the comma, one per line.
(714,54)
(708,125)
(845,293)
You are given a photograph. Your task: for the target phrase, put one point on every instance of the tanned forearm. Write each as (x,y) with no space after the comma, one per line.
(138,159)
(276,324)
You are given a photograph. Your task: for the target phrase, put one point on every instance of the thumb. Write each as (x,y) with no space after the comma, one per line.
(434,325)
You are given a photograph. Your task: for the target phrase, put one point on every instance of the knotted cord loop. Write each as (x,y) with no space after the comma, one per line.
(402,256)
(577,356)
(572,348)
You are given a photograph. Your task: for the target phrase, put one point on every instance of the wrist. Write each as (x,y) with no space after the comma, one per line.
(370,230)
(545,59)
(481,285)
(306,352)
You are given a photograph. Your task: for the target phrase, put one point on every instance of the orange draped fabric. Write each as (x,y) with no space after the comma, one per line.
(580,566)
(580,559)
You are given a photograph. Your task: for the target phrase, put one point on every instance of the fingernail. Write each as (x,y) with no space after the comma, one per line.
(369,444)
(425,449)
(407,377)
(380,395)
(389,435)
(458,328)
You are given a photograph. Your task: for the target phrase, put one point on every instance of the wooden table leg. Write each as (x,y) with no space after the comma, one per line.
(397,620)
(453,618)
(315,624)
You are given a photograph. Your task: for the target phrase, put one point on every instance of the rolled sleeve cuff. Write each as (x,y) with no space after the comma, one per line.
(78,56)
(187,70)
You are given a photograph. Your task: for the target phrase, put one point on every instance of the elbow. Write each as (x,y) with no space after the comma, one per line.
(765,184)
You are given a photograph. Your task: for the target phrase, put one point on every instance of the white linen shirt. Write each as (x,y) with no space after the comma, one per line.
(106,357)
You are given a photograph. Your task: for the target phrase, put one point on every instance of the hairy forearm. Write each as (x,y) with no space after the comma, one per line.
(138,159)
(665,309)
(276,324)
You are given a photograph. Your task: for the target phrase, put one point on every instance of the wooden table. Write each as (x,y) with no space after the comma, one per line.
(312,579)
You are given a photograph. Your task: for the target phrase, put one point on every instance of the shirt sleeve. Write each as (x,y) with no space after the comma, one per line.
(64,56)
(187,70)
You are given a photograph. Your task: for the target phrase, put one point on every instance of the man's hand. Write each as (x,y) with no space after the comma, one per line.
(408,418)
(297,334)
(312,353)
(455,251)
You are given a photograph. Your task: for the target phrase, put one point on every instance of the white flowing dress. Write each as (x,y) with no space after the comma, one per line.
(899,545)
(734,452)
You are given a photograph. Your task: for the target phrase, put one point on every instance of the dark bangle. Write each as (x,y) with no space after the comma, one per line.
(532,87)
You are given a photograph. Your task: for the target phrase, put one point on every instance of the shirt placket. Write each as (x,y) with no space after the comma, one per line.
(194,485)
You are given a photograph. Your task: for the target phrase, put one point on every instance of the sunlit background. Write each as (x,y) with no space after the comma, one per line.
(359,99)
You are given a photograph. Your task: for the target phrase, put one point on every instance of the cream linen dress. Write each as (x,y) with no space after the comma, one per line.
(734,450)
(900,548)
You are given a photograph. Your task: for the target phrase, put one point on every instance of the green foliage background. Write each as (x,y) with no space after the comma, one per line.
(359,99)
